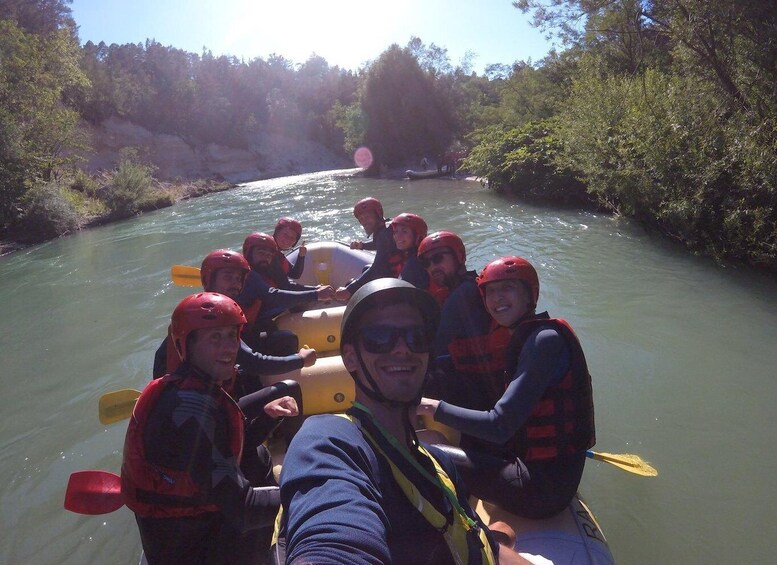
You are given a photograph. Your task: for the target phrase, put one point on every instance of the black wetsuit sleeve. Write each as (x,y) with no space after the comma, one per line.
(160,360)
(274,300)
(544,360)
(384,248)
(297,268)
(414,273)
(369,245)
(256,364)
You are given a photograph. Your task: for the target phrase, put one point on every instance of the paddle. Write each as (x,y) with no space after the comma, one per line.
(118,405)
(184,275)
(626,461)
(93,492)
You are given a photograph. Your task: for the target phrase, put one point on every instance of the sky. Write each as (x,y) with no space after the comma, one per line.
(347,33)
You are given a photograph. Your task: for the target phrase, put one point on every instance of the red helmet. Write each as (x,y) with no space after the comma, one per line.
(203,310)
(441,239)
(414,222)
(221,259)
(371,204)
(289,223)
(510,268)
(258,240)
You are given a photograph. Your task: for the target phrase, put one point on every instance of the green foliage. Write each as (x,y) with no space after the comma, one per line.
(130,189)
(35,126)
(353,123)
(406,115)
(665,149)
(523,161)
(47,212)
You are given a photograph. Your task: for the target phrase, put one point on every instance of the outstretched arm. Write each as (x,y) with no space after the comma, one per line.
(544,360)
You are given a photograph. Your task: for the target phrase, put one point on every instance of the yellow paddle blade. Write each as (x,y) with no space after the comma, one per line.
(183,275)
(626,461)
(118,405)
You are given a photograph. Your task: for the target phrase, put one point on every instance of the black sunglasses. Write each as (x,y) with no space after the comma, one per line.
(382,339)
(435,259)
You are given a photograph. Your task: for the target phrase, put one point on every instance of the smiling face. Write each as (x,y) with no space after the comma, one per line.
(369,220)
(507,301)
(399,373)
(228,282)
(285,237)
(214,351)
(404,238)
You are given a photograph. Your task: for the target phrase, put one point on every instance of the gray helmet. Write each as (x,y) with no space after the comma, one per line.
(384,292)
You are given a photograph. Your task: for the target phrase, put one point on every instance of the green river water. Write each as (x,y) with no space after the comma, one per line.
(682,352)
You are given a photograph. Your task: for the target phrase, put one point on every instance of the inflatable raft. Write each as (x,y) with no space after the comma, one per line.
(335,264)
(572,537)
(332,262)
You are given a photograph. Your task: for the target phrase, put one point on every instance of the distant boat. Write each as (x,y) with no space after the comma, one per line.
(431,174)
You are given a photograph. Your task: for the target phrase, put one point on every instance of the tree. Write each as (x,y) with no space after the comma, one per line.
(406,115)
(35,124)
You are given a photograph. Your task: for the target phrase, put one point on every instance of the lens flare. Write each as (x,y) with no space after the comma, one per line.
(363,157)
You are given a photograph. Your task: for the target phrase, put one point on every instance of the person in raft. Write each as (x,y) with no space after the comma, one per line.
(359,487)
(262,252)
(224,271)
(543,416)
(261,301)
(287,234)
(369,213)
(462,312)
(180,472)
(408,231)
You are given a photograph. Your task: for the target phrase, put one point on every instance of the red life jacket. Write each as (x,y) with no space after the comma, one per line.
(396,262)
(482,359)
(562,422)
(151,490)
(440,293)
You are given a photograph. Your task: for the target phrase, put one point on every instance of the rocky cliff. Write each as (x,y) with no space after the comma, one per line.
(271,155)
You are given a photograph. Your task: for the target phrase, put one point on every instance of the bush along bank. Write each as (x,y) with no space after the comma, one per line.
(75,200)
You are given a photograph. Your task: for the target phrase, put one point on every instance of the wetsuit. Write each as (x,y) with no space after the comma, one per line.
(383,240)
(548,358)
(462,315)
(292,270)
(342,504)
(413,271)
(276,275)
(272,301)
(181,474)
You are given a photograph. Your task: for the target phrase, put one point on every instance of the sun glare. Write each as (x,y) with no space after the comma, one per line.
(344,33)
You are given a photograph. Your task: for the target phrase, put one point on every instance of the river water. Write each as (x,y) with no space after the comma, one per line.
(682,352)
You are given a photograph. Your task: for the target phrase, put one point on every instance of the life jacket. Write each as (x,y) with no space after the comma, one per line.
(562,422)
(481,359)
(396,262)
(465,538)
(440,293)
(267,277)
(152,490)
(252,313)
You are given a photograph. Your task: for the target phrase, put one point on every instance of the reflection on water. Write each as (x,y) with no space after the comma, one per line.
(682,353)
